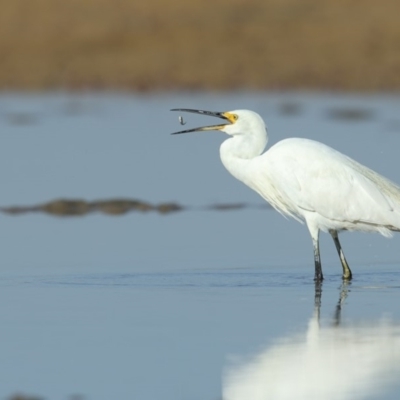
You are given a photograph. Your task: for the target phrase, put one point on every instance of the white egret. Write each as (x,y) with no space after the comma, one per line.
(308,181)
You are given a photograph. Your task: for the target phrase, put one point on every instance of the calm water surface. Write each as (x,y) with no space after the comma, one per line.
(196,304)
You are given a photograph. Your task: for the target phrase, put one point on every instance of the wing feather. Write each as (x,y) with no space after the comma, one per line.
(307,175)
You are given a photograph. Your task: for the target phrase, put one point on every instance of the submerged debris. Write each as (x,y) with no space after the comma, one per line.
(169,207)
(227,207)
(350,113)
(121,206)
(290,108)
(21,118)
(20,396)
(67,208)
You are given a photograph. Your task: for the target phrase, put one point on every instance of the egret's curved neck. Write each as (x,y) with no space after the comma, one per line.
(238,151)
(244,146)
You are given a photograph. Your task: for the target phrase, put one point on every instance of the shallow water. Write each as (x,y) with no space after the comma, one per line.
(156,306)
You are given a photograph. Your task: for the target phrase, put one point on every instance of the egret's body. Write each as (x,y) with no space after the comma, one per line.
(308,181)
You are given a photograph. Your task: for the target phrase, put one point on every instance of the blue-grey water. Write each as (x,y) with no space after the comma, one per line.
(196,304)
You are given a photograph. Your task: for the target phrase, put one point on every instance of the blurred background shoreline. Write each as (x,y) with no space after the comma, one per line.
(346,45)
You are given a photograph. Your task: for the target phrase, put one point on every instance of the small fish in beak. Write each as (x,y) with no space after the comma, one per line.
(221,115)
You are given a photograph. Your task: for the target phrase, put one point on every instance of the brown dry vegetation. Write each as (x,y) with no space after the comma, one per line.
(200,44)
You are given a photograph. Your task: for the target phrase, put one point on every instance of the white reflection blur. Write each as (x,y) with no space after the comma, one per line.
(341,361)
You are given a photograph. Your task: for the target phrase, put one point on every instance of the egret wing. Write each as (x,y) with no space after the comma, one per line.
(313,177)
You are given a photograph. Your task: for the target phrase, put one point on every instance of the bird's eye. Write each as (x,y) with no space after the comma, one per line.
(235,117)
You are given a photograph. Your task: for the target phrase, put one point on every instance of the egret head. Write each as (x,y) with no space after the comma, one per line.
(235,122)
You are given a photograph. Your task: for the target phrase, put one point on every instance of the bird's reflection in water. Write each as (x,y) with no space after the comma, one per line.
(339,361)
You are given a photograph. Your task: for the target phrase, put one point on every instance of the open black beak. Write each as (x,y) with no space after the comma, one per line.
(203,128)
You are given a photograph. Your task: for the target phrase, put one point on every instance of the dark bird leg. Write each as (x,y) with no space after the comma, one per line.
(347,275)
(314,232)
(318,277)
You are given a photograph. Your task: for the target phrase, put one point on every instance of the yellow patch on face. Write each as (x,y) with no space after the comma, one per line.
(232,118)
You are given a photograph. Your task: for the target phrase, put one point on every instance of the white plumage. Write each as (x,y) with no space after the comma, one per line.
(308,181)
